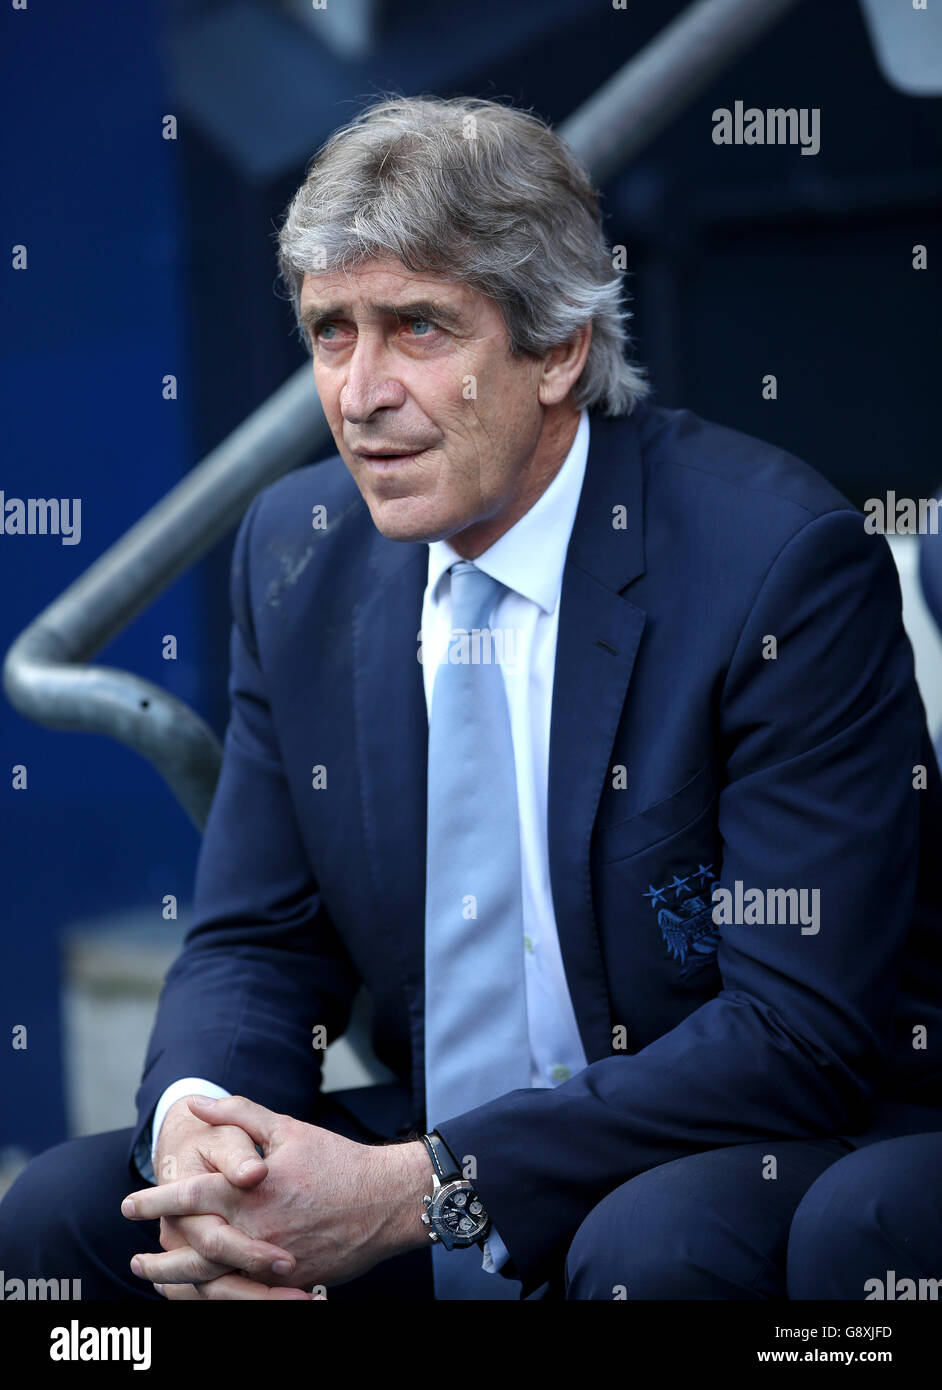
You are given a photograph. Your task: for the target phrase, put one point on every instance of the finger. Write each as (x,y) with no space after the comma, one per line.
(235,1286)
(178,1293)
(236,1110)
(206,1193)
(171,1230)
(180,1266)
(232,1152)
(212,1248)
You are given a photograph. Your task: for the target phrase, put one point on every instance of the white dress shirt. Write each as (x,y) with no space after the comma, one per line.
(529,559)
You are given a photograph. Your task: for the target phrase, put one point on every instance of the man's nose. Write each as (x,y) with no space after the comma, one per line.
(370,385)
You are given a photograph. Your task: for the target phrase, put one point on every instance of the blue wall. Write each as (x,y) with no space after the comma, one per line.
(89,330)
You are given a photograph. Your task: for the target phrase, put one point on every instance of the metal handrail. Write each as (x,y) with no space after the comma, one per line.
(44,674)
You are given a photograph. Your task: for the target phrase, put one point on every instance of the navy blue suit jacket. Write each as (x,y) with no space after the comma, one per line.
(793,772)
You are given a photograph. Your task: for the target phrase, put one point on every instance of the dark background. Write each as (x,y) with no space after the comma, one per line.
(149,256)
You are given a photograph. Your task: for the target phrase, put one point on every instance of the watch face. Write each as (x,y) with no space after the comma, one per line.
(460,1211)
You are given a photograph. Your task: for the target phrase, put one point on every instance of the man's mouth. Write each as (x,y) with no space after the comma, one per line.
(387,458)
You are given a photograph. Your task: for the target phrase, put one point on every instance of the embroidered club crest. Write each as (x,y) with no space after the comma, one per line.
(685,917)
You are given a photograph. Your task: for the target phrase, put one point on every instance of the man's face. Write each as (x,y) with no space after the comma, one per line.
(412,365)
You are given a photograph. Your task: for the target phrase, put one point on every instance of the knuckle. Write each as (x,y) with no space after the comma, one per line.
(203,1189)
(181,1268)
(282,1127)
(212,1243)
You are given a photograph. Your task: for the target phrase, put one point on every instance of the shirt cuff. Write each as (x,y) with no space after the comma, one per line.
(496,1254)
(189,1086)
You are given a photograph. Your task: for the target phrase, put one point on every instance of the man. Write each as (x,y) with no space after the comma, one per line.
(585,734)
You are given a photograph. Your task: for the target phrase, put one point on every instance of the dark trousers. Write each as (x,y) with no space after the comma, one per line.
(801,1219)
(779,1219)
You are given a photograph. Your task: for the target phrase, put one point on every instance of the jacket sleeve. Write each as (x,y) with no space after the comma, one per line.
(819,746)
(261,964)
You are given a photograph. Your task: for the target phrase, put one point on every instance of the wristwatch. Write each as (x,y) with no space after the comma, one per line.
(454,1213)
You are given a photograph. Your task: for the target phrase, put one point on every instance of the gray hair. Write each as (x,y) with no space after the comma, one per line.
(478,192)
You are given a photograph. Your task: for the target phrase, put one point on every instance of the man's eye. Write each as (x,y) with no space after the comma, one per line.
(420,328)
(332,334)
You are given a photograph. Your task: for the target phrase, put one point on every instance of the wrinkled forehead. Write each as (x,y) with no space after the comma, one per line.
(381,286)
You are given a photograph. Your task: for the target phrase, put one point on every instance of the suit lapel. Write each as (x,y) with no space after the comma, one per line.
(598,639)
(392,756)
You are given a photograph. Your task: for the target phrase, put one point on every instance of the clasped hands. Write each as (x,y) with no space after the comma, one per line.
(316,1209)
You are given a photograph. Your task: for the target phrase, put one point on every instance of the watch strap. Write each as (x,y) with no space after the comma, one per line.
(443,1160)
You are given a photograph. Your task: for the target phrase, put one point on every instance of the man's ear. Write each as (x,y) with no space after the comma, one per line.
(562,366)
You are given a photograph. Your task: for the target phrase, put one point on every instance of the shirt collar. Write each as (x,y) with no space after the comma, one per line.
(529,558)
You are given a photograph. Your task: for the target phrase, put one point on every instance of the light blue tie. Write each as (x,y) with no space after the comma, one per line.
(476,1039)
